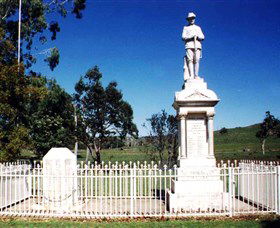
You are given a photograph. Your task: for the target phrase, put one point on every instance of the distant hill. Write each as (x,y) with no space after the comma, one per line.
(241,142)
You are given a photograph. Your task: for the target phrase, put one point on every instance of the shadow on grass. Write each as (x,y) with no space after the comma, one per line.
(270,223)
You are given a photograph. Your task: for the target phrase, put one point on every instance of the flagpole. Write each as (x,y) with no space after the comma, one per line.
(19,30)
(76,125)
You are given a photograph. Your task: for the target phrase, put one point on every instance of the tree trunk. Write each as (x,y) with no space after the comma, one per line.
(87,155)
(89,152)
(263,146)
(161,157)
(76,148)
(98,157)
(170,150)
(169,162)
(174,150)
(97,152)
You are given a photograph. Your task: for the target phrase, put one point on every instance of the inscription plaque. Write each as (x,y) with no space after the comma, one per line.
(196,137)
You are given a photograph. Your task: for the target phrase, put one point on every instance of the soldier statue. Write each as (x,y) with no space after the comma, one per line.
(192,35)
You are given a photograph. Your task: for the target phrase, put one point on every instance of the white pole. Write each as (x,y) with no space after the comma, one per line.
(230,190)
(76,124)
(278,190)
(19,30)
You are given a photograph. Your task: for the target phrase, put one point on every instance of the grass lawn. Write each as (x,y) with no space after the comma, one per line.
(238,143)
(242,143)
(136,154)
(267,221)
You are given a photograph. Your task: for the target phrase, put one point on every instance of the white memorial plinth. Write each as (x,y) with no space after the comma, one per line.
(59,180)
(198,186)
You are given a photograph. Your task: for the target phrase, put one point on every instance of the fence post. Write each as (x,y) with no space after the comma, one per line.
(233,188)
(132,185)
(230,182)
(278,189)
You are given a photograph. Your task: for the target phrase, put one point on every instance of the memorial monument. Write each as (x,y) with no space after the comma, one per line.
(198,185)
(60,189)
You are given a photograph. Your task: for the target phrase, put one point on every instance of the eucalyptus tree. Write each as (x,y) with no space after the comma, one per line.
(37,17)
(35,113)
(51,119)
(102,112)
(14,135)
(28,101)
(269,127)
(163,136)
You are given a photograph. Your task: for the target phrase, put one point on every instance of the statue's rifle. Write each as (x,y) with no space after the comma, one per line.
(195,49)
(194,54)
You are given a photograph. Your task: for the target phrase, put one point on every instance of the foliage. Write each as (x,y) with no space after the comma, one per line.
(34,23)
(51,119)
(113,142)
(53,59)
(172,139)
(6,50)
(269,127)
(227,146)
(223,131)
(13,132)
(34,113)
(164,134)
(242,143)
(102,112)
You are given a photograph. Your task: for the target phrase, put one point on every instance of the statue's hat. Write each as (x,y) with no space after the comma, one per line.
(191,15)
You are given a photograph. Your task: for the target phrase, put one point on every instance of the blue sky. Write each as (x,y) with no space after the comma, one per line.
(138,44)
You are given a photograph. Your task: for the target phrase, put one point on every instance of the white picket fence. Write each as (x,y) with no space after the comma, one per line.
(259,183)
(14,183)
(131,190)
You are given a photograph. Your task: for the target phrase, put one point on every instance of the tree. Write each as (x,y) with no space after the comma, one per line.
(23,108)
(164,135)
(51,119)
(14,135)
(102,112)
(269,127)
(34,24)
(34,113)
(172,140)
(223,131)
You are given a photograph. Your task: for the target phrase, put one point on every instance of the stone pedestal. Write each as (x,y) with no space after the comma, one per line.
(59,180)
(198,185)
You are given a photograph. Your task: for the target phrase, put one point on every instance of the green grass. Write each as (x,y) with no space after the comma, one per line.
(242,143)
(143,223)
(238,143)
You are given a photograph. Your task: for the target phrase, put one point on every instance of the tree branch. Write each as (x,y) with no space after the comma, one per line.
(6,14)
(52,2)
(57,2)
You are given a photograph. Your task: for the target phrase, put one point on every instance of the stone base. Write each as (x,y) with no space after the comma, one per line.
(58,209)
(197,187)
(197,162)
(195,89)
(197,202)
(198,169)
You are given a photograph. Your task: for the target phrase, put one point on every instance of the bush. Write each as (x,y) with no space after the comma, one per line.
(223,131)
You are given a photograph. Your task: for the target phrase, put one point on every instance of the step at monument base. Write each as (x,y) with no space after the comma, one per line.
(197,189)
(208,201)
(196,186)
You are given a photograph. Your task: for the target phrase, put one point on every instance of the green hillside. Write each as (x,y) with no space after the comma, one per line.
(238,143)
(242,143)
